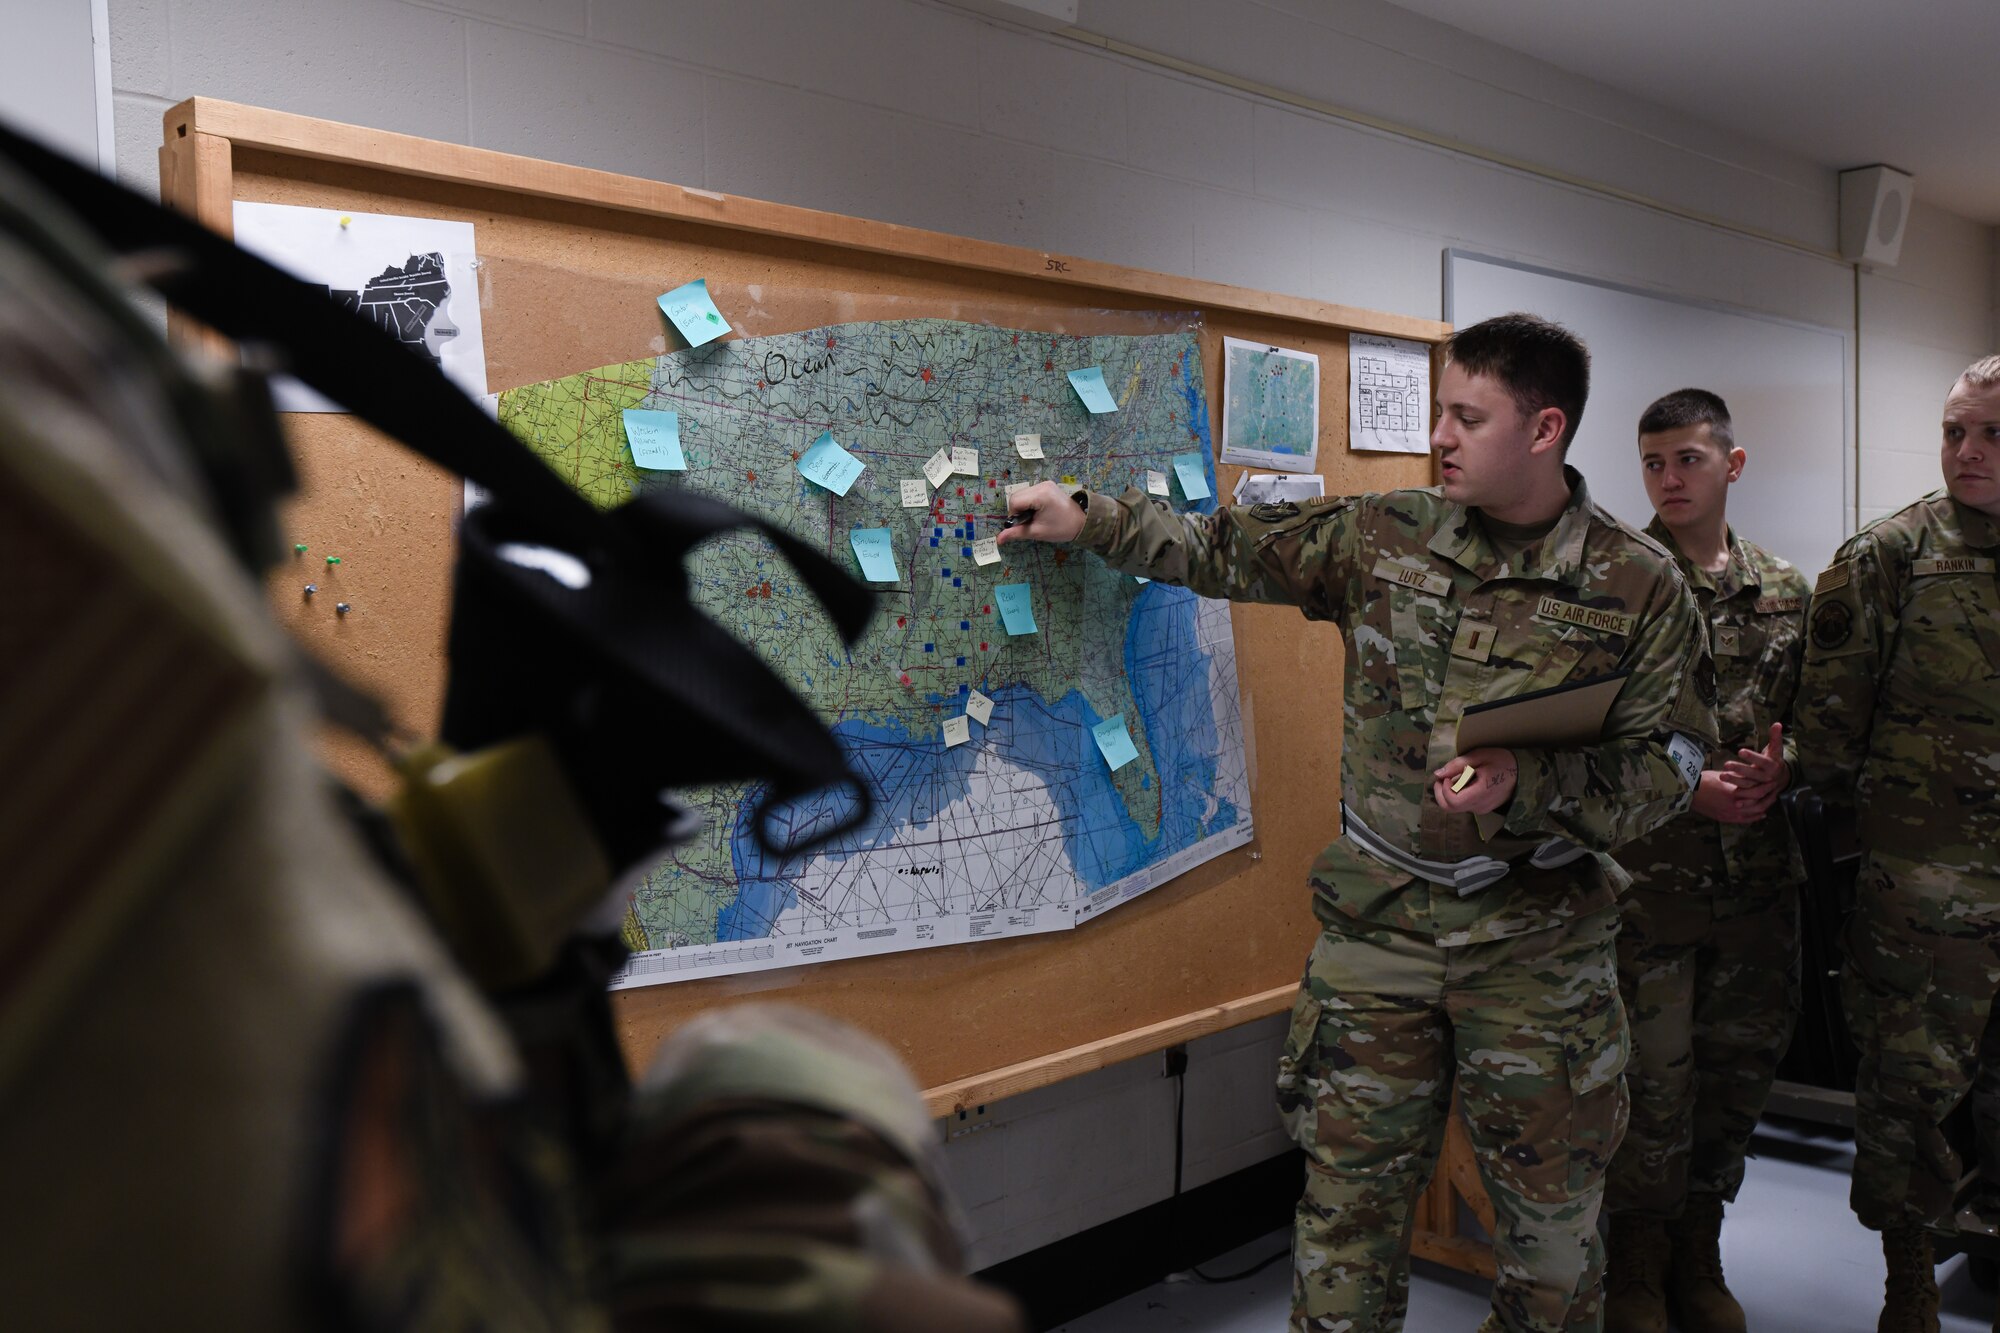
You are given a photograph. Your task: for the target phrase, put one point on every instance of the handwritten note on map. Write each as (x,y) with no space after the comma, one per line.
(827,464)
(693,313)
(1018,830)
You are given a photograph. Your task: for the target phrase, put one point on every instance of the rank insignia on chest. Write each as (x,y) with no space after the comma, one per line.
(1437,585)
(1728,641)
(1590,617)
(1474,641)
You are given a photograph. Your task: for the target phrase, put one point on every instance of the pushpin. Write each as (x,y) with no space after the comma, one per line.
(333,560)
(342,607)
(311,588)
(298,548)
(1464,778)
(344,219)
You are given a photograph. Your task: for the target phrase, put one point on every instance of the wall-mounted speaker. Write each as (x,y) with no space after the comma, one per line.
(1874,213)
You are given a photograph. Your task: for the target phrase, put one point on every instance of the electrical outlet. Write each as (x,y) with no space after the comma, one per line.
(965,1123)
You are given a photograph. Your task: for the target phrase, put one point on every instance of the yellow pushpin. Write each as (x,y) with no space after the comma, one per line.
(1464,778)
(344,219)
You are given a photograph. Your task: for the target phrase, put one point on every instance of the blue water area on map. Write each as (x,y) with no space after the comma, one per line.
(914,777)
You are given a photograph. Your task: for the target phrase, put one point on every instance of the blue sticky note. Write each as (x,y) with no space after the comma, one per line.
(871,548)
(1114,742)
(827,464)
(655,438)
(693,312)
(1090,387)
(1194,476)
(1015,608)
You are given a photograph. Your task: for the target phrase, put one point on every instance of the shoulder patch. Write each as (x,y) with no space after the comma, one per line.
(1835,576)
(1832,625)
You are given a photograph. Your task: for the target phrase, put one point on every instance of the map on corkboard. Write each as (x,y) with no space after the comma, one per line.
(1024,827)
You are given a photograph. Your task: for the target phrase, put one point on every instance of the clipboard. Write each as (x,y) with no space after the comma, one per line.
(1569,714)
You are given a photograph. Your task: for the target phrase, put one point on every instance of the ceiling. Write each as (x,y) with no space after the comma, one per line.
(1844,83)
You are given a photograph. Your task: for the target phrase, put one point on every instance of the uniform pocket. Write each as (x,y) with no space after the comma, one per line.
(1298,1089)
(1372,686)
(1423,626)
(1982,615)
(1887,990)
(1594,1057)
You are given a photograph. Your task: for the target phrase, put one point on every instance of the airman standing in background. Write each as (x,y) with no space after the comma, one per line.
(1708,952)
(1899,730)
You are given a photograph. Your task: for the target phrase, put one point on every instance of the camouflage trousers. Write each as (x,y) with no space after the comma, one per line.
(1531,1032)
(1712,996)
(1922,970)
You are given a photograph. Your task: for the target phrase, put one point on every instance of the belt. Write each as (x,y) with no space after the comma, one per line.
(1468,876)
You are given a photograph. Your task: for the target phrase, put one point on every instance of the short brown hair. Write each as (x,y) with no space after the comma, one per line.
(1983,373)
(1690,407)
(1540,364)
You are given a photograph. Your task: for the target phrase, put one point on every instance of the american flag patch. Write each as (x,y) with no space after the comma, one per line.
(117,717)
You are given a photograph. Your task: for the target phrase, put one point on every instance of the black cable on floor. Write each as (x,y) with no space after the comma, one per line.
(1179,1066)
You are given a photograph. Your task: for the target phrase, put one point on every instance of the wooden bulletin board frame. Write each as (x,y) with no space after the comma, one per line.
(1221,945)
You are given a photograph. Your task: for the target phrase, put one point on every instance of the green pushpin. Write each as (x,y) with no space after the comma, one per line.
(298,548)
(333,560)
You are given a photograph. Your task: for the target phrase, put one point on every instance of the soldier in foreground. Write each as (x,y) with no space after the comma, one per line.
(253,1075)
(1899,717)
(1708,951)
(1468,925)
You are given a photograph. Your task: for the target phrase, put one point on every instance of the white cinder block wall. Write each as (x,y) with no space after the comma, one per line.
(914,112)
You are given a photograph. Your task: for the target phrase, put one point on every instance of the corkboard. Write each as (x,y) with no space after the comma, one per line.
(571,260)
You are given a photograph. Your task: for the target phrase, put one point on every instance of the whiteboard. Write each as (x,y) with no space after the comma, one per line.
(1789,387)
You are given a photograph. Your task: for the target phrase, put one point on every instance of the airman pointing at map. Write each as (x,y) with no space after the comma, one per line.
(1468,926)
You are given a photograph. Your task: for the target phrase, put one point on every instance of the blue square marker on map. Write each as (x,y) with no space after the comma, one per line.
(1015,608)
(1089,386)
(878,560)
(1193,475)
(655,438)
(1114,742)
(693,312)
(827,464)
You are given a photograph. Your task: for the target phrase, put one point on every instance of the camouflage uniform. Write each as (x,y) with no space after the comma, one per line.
(1508,993)
(1708,955)
(1899,713)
